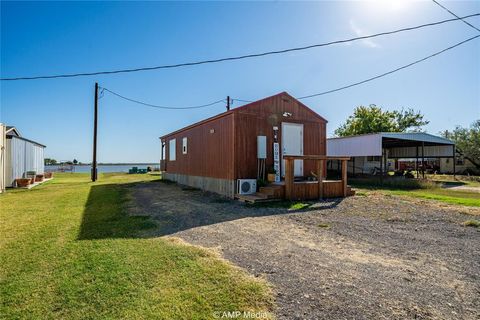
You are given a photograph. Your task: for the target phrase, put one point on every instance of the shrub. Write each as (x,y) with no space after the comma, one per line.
(472,223)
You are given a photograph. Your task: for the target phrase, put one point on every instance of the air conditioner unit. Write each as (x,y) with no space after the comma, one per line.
(246,186)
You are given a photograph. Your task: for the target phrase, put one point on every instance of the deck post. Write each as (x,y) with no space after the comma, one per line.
(385,161)
(454,161)
(320,178)
(416,161)
(344,177)
(353,164)
(289,178)
(381,166)
(423,159)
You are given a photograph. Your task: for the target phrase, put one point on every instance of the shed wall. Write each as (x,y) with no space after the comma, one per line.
(359,146)
(209,150)
(430,151)
(249,126)
(2,157)
(22,156)
(260,117)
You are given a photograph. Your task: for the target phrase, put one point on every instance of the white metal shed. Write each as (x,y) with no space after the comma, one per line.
(2,156)
(21,155)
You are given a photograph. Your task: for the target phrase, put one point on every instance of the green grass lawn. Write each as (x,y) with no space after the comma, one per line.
(69,250)
(429,189)
(444,195)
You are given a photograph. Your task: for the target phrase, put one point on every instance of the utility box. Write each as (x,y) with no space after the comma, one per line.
(261,147)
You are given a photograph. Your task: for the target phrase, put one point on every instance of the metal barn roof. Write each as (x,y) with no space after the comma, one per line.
(372,144)
(417,136)
(28,140)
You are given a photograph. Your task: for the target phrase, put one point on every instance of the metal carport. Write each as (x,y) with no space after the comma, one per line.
(392,145)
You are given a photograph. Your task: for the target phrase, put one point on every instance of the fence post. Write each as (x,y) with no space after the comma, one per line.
(289,178)
(320,178)
(344,177)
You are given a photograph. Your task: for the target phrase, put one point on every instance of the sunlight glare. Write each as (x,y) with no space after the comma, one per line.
(389,5)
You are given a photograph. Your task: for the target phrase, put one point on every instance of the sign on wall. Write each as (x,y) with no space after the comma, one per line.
(276,161)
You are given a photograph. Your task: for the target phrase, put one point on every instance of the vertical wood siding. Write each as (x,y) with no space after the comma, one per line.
(260,118)
(210,150)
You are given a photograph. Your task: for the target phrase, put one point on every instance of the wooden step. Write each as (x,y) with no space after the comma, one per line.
(273,191)
(350,191)
(252,198)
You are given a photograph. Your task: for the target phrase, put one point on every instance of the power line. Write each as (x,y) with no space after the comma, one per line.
(254,55)
(163,107)
(311,95)
(452,13)
(240,100)
(390,72)
(383,74)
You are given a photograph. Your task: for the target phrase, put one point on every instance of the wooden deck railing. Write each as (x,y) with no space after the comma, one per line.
(320,165)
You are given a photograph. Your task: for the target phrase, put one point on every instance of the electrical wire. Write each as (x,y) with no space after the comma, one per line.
(383,74)
(163,107)
(311,95)
(390,72)
(240,100)
(254,55)
(452,13)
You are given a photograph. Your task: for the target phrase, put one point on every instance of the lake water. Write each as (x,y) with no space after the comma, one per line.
(105,168)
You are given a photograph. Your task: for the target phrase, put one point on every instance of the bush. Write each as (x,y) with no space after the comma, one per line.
(472,223)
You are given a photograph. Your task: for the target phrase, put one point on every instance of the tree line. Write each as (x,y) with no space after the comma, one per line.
(372,119)
(53,162)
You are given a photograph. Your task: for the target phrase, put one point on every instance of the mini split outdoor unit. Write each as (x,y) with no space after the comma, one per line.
(246,186)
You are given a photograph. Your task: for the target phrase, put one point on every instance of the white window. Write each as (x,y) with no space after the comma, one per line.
(184,145)
(172,150)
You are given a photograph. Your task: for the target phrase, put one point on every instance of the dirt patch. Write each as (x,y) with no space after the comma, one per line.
(464,188)
(364,257)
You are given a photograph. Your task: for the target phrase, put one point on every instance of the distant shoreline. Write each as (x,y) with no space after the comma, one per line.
(110,164)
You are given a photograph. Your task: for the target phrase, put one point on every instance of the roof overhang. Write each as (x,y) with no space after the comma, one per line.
(12,131)
(28,140)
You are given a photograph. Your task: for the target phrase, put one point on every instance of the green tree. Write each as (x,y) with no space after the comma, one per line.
(50,162)
(373,119)
(467,141)
(75,161)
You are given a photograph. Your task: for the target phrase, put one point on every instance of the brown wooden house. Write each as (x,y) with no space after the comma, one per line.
(212,154)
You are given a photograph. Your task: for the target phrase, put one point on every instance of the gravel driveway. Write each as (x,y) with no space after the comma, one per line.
(362,257)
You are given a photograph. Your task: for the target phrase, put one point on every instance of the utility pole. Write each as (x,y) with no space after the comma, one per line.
(95,116)
(228,103)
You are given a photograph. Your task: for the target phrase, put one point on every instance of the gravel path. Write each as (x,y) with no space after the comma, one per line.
(362,257)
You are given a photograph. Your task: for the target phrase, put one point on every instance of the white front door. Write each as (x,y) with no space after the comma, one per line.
(292,145)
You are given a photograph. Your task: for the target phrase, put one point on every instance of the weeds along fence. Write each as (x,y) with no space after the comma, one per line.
(449,177)
(392,183)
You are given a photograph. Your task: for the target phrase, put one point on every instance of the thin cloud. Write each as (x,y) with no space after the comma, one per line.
(360,32)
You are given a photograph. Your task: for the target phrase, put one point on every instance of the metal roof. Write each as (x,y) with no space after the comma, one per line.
(11,129)
(416,136)
(372,144)
(28,140)
(413,136)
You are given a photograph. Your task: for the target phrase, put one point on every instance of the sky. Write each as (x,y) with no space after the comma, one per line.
(39,38)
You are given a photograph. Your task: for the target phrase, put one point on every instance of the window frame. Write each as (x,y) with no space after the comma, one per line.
(184,145)
(172,151)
